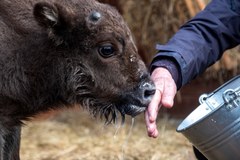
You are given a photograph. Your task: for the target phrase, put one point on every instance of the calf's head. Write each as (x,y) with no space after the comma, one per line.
(99,65)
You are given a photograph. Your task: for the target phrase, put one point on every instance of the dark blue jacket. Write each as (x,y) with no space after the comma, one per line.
(201,42)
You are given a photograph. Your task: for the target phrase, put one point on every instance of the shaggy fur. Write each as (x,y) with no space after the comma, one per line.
(58,53)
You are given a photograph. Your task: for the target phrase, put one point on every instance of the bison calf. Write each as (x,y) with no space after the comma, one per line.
(58,53)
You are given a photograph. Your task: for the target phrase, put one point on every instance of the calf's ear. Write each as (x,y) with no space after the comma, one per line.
(57,19)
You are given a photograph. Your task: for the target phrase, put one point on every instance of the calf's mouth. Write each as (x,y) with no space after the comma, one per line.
(136,101)
(130,102)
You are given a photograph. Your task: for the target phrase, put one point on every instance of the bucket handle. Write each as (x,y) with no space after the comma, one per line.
(231,98)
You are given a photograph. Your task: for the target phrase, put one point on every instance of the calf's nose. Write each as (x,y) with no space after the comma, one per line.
(147,90)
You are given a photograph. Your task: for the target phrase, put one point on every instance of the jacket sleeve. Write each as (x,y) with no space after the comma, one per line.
(201,41)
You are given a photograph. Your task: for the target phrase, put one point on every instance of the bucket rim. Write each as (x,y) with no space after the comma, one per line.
(180,127)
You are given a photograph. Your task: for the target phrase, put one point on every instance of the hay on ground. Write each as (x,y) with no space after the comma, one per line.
(76,136)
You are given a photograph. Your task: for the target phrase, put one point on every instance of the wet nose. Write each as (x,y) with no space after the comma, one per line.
(148,89)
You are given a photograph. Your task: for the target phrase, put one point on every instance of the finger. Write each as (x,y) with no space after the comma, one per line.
(169,93)
(151,127)
(154,106)
(151,115)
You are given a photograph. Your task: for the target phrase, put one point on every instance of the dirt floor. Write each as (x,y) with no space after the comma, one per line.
(74,135)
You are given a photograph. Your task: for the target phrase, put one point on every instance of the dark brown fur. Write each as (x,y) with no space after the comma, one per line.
(58,53)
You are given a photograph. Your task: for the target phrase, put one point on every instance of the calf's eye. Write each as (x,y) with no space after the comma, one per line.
(106,51)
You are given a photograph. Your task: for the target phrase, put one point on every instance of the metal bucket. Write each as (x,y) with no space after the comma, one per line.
(214,126)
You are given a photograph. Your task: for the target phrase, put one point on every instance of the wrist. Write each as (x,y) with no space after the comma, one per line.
(168,65)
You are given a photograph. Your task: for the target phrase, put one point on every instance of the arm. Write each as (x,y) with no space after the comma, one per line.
(202,41)
(197,45)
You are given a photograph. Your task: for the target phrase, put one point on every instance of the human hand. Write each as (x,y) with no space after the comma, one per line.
(166,90)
